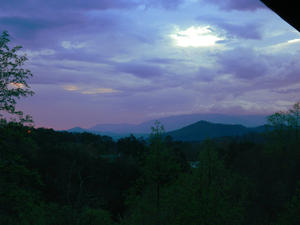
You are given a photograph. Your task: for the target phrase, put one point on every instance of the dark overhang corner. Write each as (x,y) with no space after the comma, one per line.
(287,10)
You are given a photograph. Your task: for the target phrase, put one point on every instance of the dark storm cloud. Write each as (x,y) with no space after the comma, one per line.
(140,70)
(238,4)
(242,63)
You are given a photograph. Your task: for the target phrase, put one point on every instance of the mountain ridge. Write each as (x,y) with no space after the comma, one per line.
(176,122)
(193,132)
(202,130)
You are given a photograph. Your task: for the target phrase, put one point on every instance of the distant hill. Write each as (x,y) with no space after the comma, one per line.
(117,128)
(77,130)
(194,132)
(176,122)
(201,130)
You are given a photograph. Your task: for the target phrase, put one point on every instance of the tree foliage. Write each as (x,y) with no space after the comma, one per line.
(13,77)
(286,119)
(49,178)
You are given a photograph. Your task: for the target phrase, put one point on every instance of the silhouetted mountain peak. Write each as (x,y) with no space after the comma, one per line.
(203,129)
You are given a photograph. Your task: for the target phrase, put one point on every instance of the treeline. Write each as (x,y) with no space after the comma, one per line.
(52,178)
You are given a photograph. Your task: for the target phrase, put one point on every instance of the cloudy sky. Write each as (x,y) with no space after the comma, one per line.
(127,61)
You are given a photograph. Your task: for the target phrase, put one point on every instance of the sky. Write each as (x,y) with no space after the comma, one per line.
(128,61)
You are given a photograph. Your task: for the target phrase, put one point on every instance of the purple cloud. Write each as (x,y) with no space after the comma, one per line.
(25,27)
(167,4)
(64,5)
(288,91)
(248,31)
(242,63)
(238,4)
(164,60)
(29,19)
(116,60)
(244,30)
(205,74)
(92,4)
(140,70)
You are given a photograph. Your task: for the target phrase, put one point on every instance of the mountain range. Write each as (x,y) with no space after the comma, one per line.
(176,122)
(193,127)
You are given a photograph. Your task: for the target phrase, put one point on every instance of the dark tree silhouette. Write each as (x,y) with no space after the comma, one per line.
(13,78)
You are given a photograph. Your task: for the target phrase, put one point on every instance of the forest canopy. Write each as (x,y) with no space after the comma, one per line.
(51,177)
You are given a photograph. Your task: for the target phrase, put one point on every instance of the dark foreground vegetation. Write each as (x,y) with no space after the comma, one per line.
(53,178)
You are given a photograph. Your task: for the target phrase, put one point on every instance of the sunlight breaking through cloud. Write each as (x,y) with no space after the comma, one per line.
(294,41)
(195,37)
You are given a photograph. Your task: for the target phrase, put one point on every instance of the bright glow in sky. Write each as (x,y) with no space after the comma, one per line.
(294,40)
(195,37)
